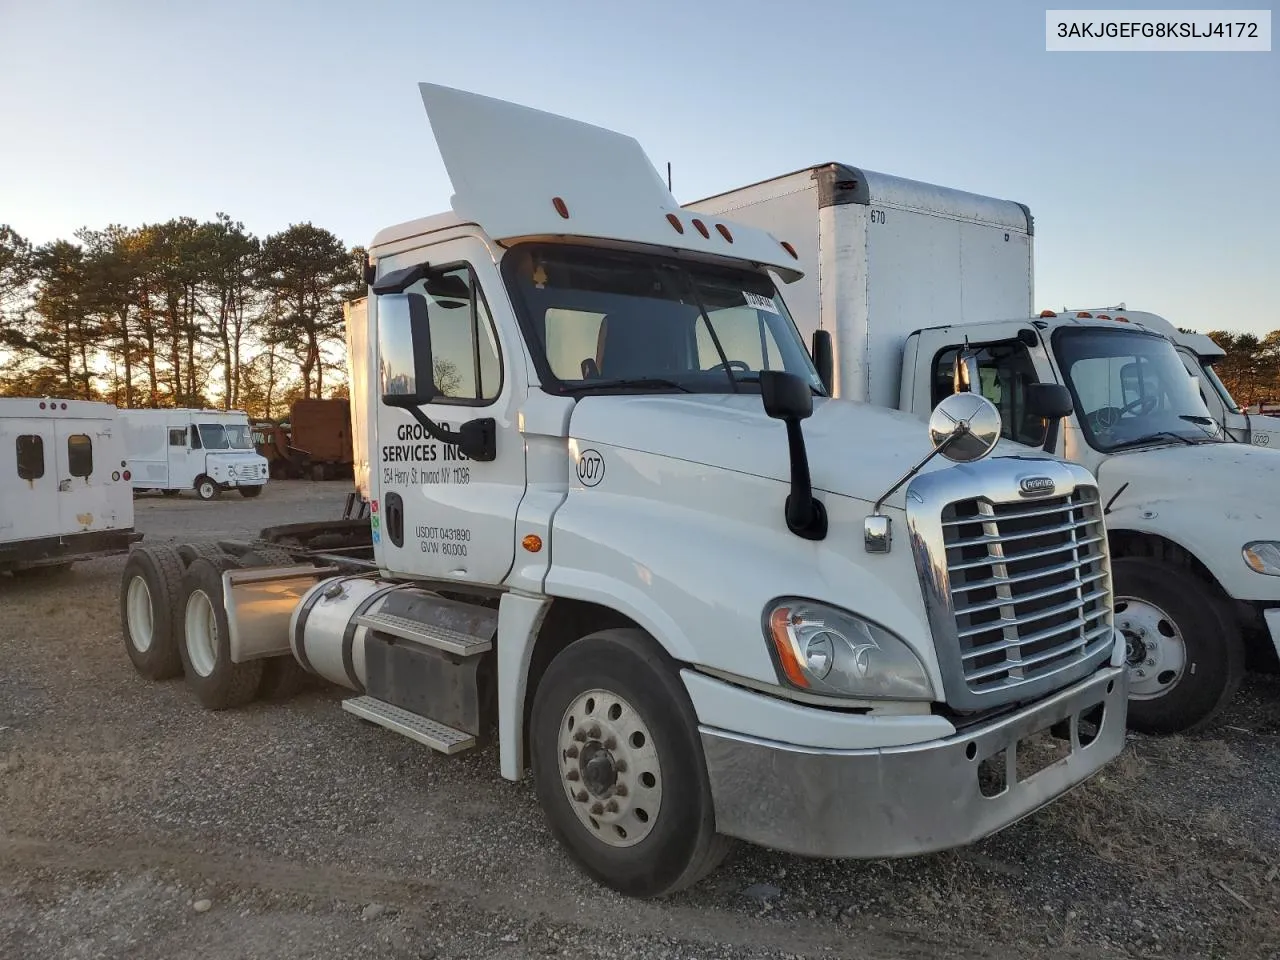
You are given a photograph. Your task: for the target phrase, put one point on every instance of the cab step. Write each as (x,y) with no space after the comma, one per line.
(437,736)
(429,635)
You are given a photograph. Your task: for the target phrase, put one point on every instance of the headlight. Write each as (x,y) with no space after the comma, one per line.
(1263,556)
(830,651)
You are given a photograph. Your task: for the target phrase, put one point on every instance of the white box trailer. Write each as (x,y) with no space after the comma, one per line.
(64,484)
(208,451)
(923,290)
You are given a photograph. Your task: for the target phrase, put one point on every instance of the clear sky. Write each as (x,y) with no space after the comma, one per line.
(1152,177)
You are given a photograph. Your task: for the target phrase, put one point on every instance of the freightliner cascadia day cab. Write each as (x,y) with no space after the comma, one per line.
(64,485)
(208,451)
(909,280)
(616,518)
(1199,354)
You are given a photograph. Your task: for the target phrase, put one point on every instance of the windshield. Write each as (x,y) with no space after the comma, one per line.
(1130,388)
(600,321)
(225,436)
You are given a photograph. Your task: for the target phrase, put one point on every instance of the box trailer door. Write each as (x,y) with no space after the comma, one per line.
(28,481)
(85,458)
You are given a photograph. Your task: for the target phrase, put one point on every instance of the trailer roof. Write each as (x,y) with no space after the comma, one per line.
(50,406)
(841,183)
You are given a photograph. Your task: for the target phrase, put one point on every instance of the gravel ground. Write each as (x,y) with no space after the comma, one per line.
(134,824)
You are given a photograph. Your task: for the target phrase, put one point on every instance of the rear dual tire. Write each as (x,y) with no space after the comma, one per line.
(150,601)
(217,682)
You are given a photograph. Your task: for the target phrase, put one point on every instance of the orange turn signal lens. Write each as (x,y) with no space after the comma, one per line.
(561,207)
(780,632)
(791,250)
(1084,316)
(675,222)
(532,542)
(1047,313)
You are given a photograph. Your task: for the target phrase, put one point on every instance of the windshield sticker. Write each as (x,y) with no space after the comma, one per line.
(757,302)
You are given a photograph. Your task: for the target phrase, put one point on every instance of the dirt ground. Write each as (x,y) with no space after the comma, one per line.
(135,825)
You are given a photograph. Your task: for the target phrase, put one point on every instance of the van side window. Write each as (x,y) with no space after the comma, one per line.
(1004,370)
(464,344)
(177,437)
(30,456)
(79,455)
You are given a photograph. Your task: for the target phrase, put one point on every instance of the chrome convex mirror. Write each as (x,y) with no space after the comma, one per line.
(964,427)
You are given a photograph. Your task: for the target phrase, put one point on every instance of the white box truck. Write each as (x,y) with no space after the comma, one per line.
(919,287)
(615,519)
(64,485)
(208,451)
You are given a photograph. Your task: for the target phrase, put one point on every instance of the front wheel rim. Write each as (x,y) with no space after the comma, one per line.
(141,614)
(206,490)
(609,767)
(201,633)
(1155,649)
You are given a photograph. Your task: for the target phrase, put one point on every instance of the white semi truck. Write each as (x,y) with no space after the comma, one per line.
(903,280)
(615,518)
(64,485)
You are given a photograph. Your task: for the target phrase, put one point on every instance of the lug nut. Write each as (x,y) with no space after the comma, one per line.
(620,765)
(1141,673)
(581,796)
(597,808)
(620,790)
(611,806)
(579,736)
(1151,663)
(572,752)
(571,775)
(610,743)
(594,732)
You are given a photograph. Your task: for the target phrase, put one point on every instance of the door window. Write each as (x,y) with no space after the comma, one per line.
(79,455)
(177,437)
(1004,370)
(464,345)
(30,456)
(195,438)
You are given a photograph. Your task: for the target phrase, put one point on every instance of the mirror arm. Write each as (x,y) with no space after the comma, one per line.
(477,439)
(1051,434)
(960,430)
(806,516)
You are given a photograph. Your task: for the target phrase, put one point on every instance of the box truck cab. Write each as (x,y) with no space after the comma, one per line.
(64,484)
(909,281)
(615,517)
(1199,354)
(208,451)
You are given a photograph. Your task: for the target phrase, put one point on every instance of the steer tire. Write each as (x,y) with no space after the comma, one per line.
(1215,654)
(207,488)
(680,846)
(205,647)
(250,492)
(153,651)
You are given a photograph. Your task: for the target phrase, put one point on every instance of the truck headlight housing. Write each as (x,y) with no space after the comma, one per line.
(1263,556)
(826,650)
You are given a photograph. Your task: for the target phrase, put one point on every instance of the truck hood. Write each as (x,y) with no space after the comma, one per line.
(855,449)
(1226,479)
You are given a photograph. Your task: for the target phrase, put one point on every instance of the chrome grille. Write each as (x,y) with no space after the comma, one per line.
(1029,585)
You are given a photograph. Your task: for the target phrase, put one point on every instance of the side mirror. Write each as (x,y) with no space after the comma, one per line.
(404,344)
(964,372)
(1052,401)
(964,427)
(785,396)
(824,360)
(788,398)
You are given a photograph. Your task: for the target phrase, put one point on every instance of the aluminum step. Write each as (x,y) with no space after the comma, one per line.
(435,735)
(450,641)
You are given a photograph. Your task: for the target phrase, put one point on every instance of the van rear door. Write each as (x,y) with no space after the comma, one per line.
(28,479)
(84,457)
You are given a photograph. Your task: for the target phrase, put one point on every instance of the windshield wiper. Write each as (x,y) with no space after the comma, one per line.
(1152,437)
(626,382)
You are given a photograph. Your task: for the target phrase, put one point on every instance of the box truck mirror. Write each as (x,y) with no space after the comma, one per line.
(788,398)
(824,360)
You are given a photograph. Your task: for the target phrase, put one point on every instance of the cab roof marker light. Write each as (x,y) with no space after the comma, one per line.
(1047,313)
(1084,315)
(791,250)
(724,232)
(702,229)
(675,222)
(561,207)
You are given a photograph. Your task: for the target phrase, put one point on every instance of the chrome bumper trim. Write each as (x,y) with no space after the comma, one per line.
(903,801)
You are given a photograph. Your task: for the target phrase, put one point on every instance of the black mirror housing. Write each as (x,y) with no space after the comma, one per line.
(1052,401)
(785,396)
(824,360)
(404,342)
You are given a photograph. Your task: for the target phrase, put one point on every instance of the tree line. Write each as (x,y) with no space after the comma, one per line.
(180,313)
(201,314)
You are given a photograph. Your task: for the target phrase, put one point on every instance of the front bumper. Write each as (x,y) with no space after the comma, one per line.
(902,801)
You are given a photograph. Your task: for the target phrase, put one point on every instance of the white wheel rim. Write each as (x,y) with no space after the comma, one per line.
(1154,646)
(201,633)
(141,616)
(610,769)
(206,490)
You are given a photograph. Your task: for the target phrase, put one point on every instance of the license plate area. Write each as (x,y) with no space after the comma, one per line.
(1039,751)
